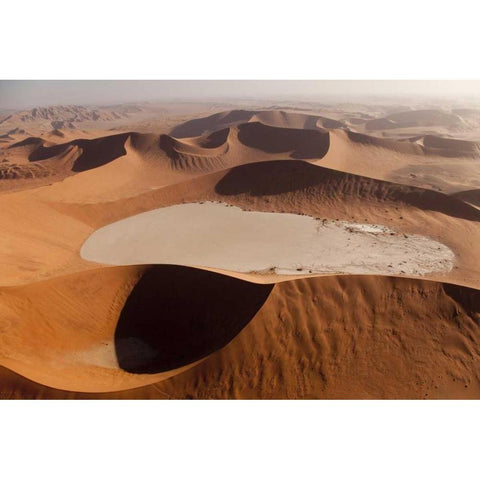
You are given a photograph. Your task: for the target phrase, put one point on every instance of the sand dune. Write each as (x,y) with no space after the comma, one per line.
(289,176)
(417,118)
(470,196)
(452,146)
(237,137)
(347,337)
(169,331)
(100,151)
(278,118)
(145,161)
(330,337)
(114,327)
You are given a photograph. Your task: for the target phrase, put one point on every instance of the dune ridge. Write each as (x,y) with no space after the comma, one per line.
(225,140)
(423,333)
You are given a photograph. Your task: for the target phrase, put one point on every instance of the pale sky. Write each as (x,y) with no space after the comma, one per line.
(19,94)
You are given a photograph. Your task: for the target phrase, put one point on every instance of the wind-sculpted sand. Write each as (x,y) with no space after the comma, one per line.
(162,253)
(228,238)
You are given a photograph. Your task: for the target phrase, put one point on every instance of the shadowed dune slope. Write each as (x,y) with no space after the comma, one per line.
(273,118)
(113,329)
(218,121)
(386,143)
(415,118)
(94,153)
(277,177)
(177,315)
(305,144)
(349,337)
(328,337)
(470,196)
(426,145)
(451,145)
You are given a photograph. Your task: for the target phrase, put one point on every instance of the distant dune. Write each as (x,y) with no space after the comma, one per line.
(197,127)
(415,118)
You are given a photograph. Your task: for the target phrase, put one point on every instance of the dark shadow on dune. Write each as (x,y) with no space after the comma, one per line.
(468,298)
(214,140)
(167,144)
(387,143)
(270,178)
(207,145)
(283,176)
(432,145)
(451,146)
(26,142)
(414,118)
(329,123)
(95,153)
(176,315)
(199,126)
(304,144)
(99,151)
(45,153)
(470,196)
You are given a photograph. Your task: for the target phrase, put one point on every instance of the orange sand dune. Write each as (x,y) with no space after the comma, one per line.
(431,117)
(330,337)
(104,333)
(451,146)
(449,168)
(348,337)
(134,162)
(238,137)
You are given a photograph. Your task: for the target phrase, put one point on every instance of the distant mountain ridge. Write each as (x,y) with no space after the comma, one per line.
(67,116)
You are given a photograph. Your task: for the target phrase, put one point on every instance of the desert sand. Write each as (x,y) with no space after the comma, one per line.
(198,252)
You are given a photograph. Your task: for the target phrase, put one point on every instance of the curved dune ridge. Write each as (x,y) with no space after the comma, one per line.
(210,152)
(119,328)
(235,244)
(422,145)
(324,337)
(470,196)
(276,177)
(214,143)
(278,118)
(432,117)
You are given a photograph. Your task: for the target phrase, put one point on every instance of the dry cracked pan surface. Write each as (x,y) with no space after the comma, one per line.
(241,254)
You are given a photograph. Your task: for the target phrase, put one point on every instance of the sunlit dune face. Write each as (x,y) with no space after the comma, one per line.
(217,235)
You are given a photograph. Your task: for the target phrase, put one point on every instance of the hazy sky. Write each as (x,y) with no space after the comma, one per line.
(18,94)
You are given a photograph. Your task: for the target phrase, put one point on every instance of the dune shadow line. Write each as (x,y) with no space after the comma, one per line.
(177,315)
(276,177)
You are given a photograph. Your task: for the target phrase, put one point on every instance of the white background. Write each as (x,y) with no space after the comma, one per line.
(241,39)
